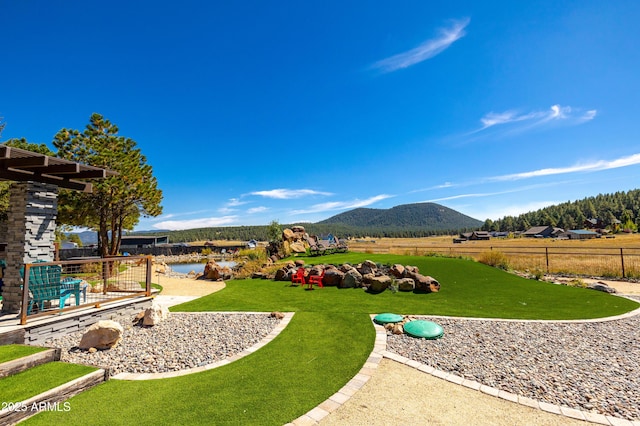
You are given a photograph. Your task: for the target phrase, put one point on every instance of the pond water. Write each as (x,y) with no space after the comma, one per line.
(185,268)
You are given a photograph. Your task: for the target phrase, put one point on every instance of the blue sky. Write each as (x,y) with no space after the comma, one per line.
(250,112)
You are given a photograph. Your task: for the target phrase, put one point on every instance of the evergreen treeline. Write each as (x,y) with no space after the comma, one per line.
(609,208)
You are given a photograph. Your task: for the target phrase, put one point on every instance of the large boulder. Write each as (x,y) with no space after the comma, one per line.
(378,284)
(102,335)
(425,283)
(368,267)
(297,247)
(298,229)
(332,277)
(282,274)
(155,315)
(287,235)
(397,270)
(351,279)
(406,284)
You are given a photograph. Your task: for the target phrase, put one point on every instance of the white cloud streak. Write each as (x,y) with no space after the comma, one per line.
(255,210)
(286,194)
(595,166)
(176,225)
(555,114)
(428,49)
(342,205)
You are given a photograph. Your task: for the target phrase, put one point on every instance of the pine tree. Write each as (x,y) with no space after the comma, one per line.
(116,202)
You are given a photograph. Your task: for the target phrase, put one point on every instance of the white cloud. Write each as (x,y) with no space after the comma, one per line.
(234,202)
(342,205)
(428,49)
(260,209)
(285,194)
(555,113)
(175,225)
(595,166)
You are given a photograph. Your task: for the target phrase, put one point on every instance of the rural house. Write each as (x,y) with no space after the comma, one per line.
(542,232)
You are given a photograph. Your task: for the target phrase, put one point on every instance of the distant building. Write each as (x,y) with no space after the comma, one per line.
(140,241)
(580,234)
(542,232)
(473,236)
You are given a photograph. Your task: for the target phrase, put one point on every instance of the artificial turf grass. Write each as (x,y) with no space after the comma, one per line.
(308,362)
(12,352)
(325,344)
(468,289)
(40,378)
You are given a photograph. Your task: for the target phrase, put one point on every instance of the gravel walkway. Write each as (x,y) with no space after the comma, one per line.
(184,340)
(587,366)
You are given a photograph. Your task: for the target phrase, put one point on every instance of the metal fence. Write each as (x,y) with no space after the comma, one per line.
(572,260)
(56,287)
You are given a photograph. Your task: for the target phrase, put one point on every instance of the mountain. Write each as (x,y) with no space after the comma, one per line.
(426,216)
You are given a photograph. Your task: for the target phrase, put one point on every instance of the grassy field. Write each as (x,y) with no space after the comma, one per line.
(607,257)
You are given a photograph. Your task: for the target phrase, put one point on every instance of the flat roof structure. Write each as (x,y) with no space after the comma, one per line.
(21,166)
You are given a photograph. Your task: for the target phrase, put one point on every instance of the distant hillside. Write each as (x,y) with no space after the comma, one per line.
(425,216)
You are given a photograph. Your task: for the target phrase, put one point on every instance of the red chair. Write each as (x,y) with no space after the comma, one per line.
(316,279)
(298,277)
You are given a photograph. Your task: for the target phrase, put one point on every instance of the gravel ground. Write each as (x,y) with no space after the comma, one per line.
(184,340)
(588,366)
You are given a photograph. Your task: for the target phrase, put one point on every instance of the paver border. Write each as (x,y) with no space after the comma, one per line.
(380,351)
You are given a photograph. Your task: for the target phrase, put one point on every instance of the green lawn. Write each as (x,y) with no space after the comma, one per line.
(468,289)
(11,352)
(39,379)
(325,344)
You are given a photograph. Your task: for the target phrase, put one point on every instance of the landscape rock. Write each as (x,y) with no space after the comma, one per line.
(282,274)
(406,284)
(397,270)
(367,267)
(351,279)
(287,235)
(332,277)
(297,247)
(424,283)
(155,315)
(600,286)
(379,284)
(102,335)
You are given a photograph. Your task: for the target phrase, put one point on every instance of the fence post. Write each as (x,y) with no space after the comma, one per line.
(546,255)
(622,262)
(147,287)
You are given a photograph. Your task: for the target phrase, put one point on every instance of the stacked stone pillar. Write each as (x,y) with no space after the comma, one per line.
(30,234)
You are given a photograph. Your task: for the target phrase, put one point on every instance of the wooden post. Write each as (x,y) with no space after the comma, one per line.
(148,279)
(546,255)
(622,261)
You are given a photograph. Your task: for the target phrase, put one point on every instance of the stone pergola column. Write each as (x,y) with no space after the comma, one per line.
(30,234)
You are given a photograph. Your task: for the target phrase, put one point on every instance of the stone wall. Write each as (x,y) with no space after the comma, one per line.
(30,234)
(80,320)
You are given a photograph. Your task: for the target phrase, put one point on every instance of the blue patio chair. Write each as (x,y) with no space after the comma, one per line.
(45,284)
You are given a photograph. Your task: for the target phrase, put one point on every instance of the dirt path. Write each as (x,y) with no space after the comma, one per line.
(186,286)
(400,395)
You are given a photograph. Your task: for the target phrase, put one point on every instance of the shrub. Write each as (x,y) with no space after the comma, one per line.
(494,258)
